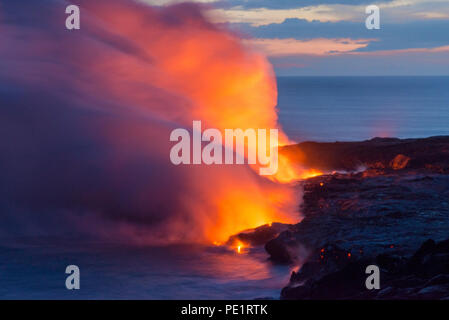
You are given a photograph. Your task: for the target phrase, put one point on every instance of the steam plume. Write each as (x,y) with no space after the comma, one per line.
(85,119)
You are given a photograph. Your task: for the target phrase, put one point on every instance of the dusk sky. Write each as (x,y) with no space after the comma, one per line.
(329,37)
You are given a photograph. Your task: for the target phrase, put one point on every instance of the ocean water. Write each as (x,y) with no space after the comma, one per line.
(35,269)
(360,108)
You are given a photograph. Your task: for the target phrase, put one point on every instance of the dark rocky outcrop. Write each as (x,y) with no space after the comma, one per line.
(260,235)
(423,276)
(384,215)
(378,153)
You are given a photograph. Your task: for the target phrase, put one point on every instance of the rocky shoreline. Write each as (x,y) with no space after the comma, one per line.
(385,202)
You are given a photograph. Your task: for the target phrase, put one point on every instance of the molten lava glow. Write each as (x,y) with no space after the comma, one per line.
(221,82)
(236,211)
(172,66)
(290,170)
(227,85)
(310,173)
(286,172)
(239,246)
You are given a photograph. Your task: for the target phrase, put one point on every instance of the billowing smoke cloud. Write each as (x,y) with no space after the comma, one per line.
(86,115)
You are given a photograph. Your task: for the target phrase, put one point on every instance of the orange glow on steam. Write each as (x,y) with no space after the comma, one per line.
(224,84)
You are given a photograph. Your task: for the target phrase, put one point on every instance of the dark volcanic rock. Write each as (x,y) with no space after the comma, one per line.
(431,259)
(344,283)
(383,216)
(282,249)
(260,235)
(368,215)
(423,276)
(378,153)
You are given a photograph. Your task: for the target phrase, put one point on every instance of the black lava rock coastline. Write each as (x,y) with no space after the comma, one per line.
(394,214)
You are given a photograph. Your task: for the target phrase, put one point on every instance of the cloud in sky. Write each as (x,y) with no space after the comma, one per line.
(320,46)
(326,47)
(401,51)
(264,16)
(270,4)
(416,61)
(432,15)
(409,28)
(431,33)
(265,12)
(394,11)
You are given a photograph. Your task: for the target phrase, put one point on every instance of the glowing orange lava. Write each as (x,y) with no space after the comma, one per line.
(236,211)
(239,247)
(310,173)
(291,170)
(216,78)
